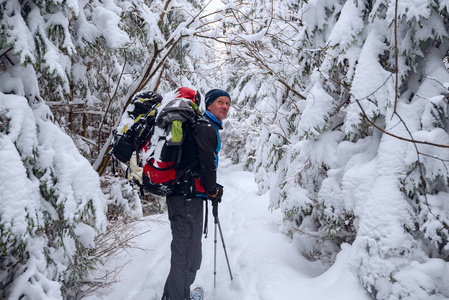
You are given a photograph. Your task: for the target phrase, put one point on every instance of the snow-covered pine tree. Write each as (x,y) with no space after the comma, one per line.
(51,204)
(366,161)
(76,49)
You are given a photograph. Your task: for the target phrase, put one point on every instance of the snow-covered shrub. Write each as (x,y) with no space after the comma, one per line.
(51,204)
(125,201)
(123,198)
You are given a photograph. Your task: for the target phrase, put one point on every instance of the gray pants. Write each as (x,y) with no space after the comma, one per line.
(186,221)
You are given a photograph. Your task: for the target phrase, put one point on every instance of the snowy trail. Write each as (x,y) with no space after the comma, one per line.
(264,263)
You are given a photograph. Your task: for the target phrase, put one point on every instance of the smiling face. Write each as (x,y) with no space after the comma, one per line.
(220,107)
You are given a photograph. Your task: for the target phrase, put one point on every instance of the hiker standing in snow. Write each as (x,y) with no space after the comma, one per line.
(185,203)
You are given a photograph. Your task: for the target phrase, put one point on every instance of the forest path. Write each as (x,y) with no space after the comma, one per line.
(264,262)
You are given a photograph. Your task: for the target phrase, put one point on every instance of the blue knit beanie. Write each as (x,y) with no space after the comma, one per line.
(212,95)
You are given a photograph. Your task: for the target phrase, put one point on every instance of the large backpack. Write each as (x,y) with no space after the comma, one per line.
(160,137)
(135,126)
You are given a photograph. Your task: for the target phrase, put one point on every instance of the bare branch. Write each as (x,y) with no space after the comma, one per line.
(396,136)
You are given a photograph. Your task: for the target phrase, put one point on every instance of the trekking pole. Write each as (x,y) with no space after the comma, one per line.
(215,256)
(215,213)
(217,223)
(224,248)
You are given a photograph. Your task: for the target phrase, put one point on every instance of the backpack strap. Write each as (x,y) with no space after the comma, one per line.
(182,172)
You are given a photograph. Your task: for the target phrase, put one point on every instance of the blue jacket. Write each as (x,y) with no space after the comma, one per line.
(218,125)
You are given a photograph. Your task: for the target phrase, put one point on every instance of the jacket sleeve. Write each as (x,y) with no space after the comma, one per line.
(207,141)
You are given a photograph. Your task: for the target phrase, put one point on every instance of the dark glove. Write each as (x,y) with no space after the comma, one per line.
(216,198)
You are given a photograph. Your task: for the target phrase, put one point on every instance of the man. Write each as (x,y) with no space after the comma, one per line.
(185,204)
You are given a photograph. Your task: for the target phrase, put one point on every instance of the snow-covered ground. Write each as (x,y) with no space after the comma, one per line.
(264,262)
